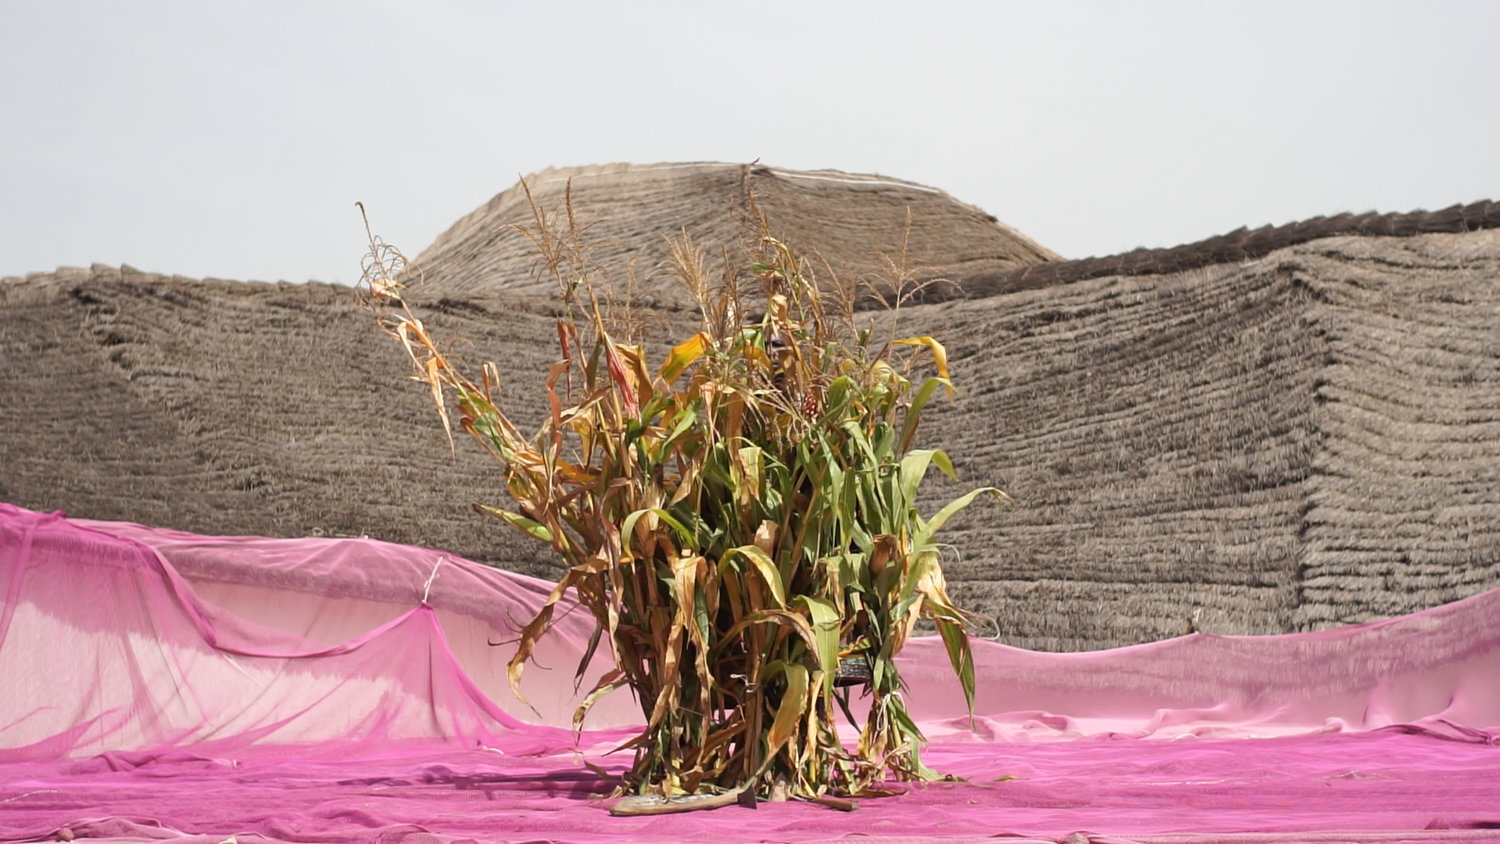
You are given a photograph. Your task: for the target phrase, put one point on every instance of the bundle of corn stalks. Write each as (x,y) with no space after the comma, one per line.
(740,520)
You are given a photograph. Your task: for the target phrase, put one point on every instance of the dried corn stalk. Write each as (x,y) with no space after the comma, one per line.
(740,520)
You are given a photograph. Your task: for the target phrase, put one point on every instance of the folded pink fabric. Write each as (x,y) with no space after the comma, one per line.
(158,684)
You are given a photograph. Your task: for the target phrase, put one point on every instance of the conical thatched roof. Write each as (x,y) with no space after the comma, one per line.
(630,214)
(1308,434)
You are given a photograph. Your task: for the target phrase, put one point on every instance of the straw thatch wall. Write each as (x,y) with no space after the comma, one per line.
(1305,439)
(242,408)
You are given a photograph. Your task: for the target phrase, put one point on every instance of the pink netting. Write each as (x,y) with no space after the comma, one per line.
(162,685)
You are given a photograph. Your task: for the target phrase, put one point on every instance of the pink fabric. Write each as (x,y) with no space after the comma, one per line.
(156,684)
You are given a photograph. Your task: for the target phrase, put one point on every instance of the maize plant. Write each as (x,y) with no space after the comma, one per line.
(741,521)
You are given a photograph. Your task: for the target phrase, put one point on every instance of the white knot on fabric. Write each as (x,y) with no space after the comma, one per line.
(427,587)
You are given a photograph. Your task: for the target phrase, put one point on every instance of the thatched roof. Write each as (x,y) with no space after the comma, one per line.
(630,214)
(1301,439)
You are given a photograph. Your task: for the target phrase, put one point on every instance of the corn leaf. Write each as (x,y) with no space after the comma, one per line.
(765,566)
(941,517)
(789,711)
(825,623)
(609,682)
(530,527)
(956,641)
(683,355)
(782,618)
(939,356)
(526,642)
(918,404)
(628,528)
(733,521)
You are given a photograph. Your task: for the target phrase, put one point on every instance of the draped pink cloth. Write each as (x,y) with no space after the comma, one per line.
(162,685)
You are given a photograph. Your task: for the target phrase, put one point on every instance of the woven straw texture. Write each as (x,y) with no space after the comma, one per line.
(1299,434)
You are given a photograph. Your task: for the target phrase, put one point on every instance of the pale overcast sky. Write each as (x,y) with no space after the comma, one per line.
(231,139)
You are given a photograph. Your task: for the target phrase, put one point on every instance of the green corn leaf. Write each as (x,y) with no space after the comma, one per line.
(825,618)
(700,617)
(941,517)
(883,444)
(857,437)
(918,402)
(956,641)
(866,503)
(530,527)
(627,529)
(853,573)
(837,395)
(885,676)
(688,419)
(833,486)
(913,470)
(940,460)
(913,737)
